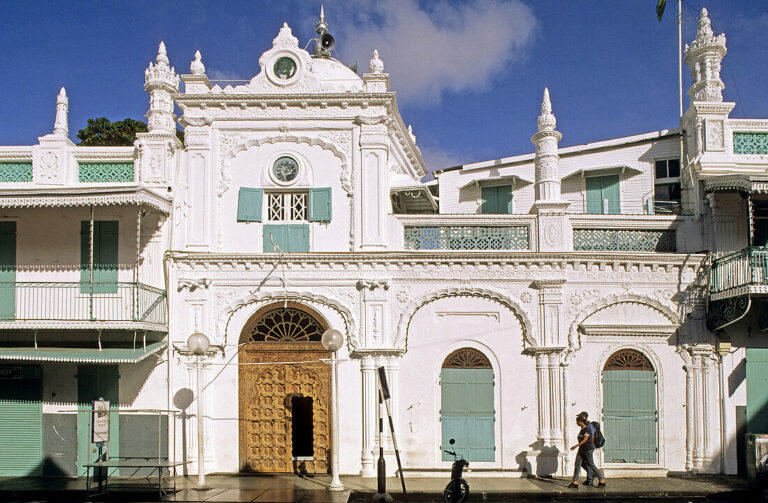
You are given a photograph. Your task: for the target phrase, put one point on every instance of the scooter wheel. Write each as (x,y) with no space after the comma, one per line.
(457,491)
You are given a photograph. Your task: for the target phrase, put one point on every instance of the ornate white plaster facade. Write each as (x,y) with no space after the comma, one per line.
(546,288)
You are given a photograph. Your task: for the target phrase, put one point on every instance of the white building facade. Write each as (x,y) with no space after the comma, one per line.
(501,299)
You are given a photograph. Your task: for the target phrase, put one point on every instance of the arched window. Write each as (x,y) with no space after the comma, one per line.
(467,411)
(628,359)
(630,412)
(286,325)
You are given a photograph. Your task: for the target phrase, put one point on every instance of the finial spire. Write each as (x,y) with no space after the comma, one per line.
(704,56)
(547,177)
(546,105)
(547,121)
(61,124)
(321,27)
(196,67)
(162,55)
(376,65)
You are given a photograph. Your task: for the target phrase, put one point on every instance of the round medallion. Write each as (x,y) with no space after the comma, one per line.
(285,169)
(285,68)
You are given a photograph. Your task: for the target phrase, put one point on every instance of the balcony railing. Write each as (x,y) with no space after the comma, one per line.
(466,237)
(82,302)
(742,269)
(663,241)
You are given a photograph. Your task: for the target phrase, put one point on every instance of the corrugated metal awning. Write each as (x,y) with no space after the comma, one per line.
(68,196)
(81,355)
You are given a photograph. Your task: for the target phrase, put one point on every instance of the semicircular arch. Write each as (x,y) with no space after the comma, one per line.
(401,339)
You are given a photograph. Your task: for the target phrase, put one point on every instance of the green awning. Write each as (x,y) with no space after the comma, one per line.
(82,355)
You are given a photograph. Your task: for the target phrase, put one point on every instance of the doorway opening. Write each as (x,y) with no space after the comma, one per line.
(302,428)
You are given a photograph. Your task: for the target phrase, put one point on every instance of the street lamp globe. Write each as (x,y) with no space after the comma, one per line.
(198,343)
(332,340)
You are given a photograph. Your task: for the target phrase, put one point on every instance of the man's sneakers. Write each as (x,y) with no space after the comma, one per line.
(601,484)
(573,486)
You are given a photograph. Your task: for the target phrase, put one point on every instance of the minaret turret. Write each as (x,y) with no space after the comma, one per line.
(161,81)
(547,176)
(61,124)
(703,57)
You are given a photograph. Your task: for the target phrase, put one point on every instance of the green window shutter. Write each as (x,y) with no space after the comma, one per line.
(105,242)
(611,193)
(594,185)
(630,416)
(298,237)
(490,200)
(8,270)
(320,204)
(467,412)
(757,390)
(278,234)
(504,199)
(249,204)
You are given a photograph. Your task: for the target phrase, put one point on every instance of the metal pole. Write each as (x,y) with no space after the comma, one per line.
(336,484)
(200,449)
(680,56)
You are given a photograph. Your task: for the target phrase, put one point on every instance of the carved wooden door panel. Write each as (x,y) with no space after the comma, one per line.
(265,405)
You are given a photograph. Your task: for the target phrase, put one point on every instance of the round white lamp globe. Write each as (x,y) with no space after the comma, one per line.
(198,343)
(332,339)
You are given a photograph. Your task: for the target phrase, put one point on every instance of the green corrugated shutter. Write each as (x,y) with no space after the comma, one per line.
(298,238)
(105,255)
(278,234)
(95,382)
(21,424)
(611,193)
(8,270)
(249,205)
(467,413)
(757,390)
(630,416)
(320,204)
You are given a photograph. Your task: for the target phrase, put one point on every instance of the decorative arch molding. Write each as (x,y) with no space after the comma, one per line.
(613,299)
(651,355)
(259,300)
(401,339)
(232,143)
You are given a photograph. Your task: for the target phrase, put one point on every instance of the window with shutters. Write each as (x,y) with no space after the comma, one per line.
(282,206)
(104,278)
(603,194)
(497,200)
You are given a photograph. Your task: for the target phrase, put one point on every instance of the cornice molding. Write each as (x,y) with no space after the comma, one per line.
(83,197)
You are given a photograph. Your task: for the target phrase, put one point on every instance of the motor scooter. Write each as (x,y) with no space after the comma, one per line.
(457,490)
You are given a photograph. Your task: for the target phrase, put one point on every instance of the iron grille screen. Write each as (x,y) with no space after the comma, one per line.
(624,240)
(466,237)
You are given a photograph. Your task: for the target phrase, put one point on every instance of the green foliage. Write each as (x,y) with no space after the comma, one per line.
(102,132)
(660,6)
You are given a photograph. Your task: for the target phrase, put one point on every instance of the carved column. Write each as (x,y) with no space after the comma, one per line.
(370,426)
(555,401)
(707,416)
(542,397)
(372,194)
(564,363)
(698,415)
(689,416)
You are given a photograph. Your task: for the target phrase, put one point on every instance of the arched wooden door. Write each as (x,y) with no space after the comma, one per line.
(284,407)
(630,412)
(467,411)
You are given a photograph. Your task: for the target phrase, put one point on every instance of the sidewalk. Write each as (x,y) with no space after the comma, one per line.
(287,488)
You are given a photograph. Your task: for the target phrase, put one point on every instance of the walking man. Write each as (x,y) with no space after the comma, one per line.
(584,456)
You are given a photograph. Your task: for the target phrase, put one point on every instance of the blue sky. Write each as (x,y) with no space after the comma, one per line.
(469,74)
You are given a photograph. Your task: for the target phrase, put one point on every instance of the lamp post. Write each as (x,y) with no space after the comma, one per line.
(198,344)
(332,341)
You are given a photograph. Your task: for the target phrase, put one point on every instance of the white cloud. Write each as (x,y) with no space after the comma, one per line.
(449,46)
(223,75)
(437,158)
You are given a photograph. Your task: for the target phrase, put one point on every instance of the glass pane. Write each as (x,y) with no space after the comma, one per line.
(661,169)
(674,168)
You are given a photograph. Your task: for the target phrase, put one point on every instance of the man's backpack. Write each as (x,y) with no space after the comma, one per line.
(599,438)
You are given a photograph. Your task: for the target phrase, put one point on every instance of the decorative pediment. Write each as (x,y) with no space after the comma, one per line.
(647,321)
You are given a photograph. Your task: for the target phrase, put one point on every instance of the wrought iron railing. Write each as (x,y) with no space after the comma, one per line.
(466,237)
(750,143)
(105,172)
(15,172)
(624,240)
(744,267)
(82,301)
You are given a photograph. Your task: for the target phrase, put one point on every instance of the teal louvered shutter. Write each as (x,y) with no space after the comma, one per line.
(298,238)
(85,261)
(105,268)
(7,270)
(490,203)
(467,413)
(630,416)
(594,185)
(21,415)
(504,199)
(757,390)
(249,204)
(278,235)
(611,194)
(320,204)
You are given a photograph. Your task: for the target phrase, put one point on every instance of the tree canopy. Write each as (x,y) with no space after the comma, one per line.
(104,133)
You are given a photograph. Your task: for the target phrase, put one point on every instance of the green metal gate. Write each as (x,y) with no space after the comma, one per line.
(630,414)
(21,421)
(95,382)
(467,411)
